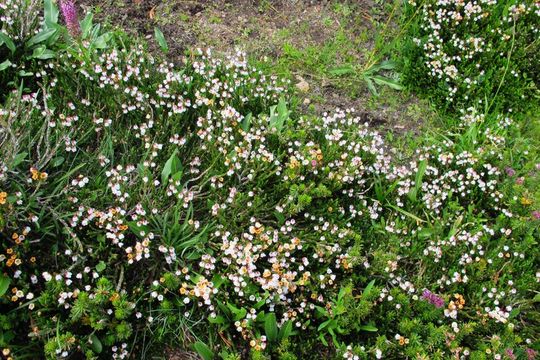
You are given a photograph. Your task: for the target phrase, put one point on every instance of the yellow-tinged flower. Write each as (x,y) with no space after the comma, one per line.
(403,340)
(3,197)
(294,163)
(34,173)
(526,201)
(460,301)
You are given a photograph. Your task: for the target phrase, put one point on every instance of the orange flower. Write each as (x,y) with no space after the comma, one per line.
(34,173)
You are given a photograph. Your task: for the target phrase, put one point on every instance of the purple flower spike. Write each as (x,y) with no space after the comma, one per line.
(536,215)
(69,12)
(433,299)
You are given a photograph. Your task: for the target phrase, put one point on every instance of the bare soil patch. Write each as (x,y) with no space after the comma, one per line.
(262,28)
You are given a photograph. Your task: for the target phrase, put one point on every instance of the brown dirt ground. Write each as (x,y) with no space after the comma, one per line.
(257,26)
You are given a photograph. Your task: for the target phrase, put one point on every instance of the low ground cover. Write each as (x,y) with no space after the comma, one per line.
(196,207)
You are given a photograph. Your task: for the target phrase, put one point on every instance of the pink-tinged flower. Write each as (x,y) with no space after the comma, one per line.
(432,299)
(520,180)
(531,354)
(69,12)
(314,163)
(510,354)
(510,172)
(538,166)
(536,215)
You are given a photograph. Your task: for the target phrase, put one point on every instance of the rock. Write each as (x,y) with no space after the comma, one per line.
(302,84)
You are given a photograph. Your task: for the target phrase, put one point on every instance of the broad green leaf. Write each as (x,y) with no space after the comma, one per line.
(342,70)
(4,65)
(280,217)
(286,330)
(368,288)
(322,339)
(57,161)
(4,39)
(203,350)
(161,40)
(216,320)
(19,158)
(238,313)
(418,181)
(137,229)
(96,345)
(101,41)
(101,266)
(172,166)
(381,80)
(4,284)
(95,31)
(217,280)
(86,25)
(371,87)
(370,328)
(41,52)
(51,13)
(270,327)
(40,37)
(279,114)
(261,303)
(246,122)
(388,65)
(324,325)
(425,233)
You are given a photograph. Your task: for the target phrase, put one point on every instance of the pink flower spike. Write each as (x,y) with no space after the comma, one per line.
(69,12)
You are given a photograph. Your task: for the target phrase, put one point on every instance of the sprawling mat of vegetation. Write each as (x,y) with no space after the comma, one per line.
(154,210)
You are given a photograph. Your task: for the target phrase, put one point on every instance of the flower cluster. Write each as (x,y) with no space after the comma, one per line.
(191,200)
(466,47)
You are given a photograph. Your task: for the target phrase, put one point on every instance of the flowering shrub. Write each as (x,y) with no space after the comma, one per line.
(146,205)
(466,53)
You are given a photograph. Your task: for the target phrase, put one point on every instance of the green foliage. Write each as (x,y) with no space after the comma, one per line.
(486,60)
(146,206)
